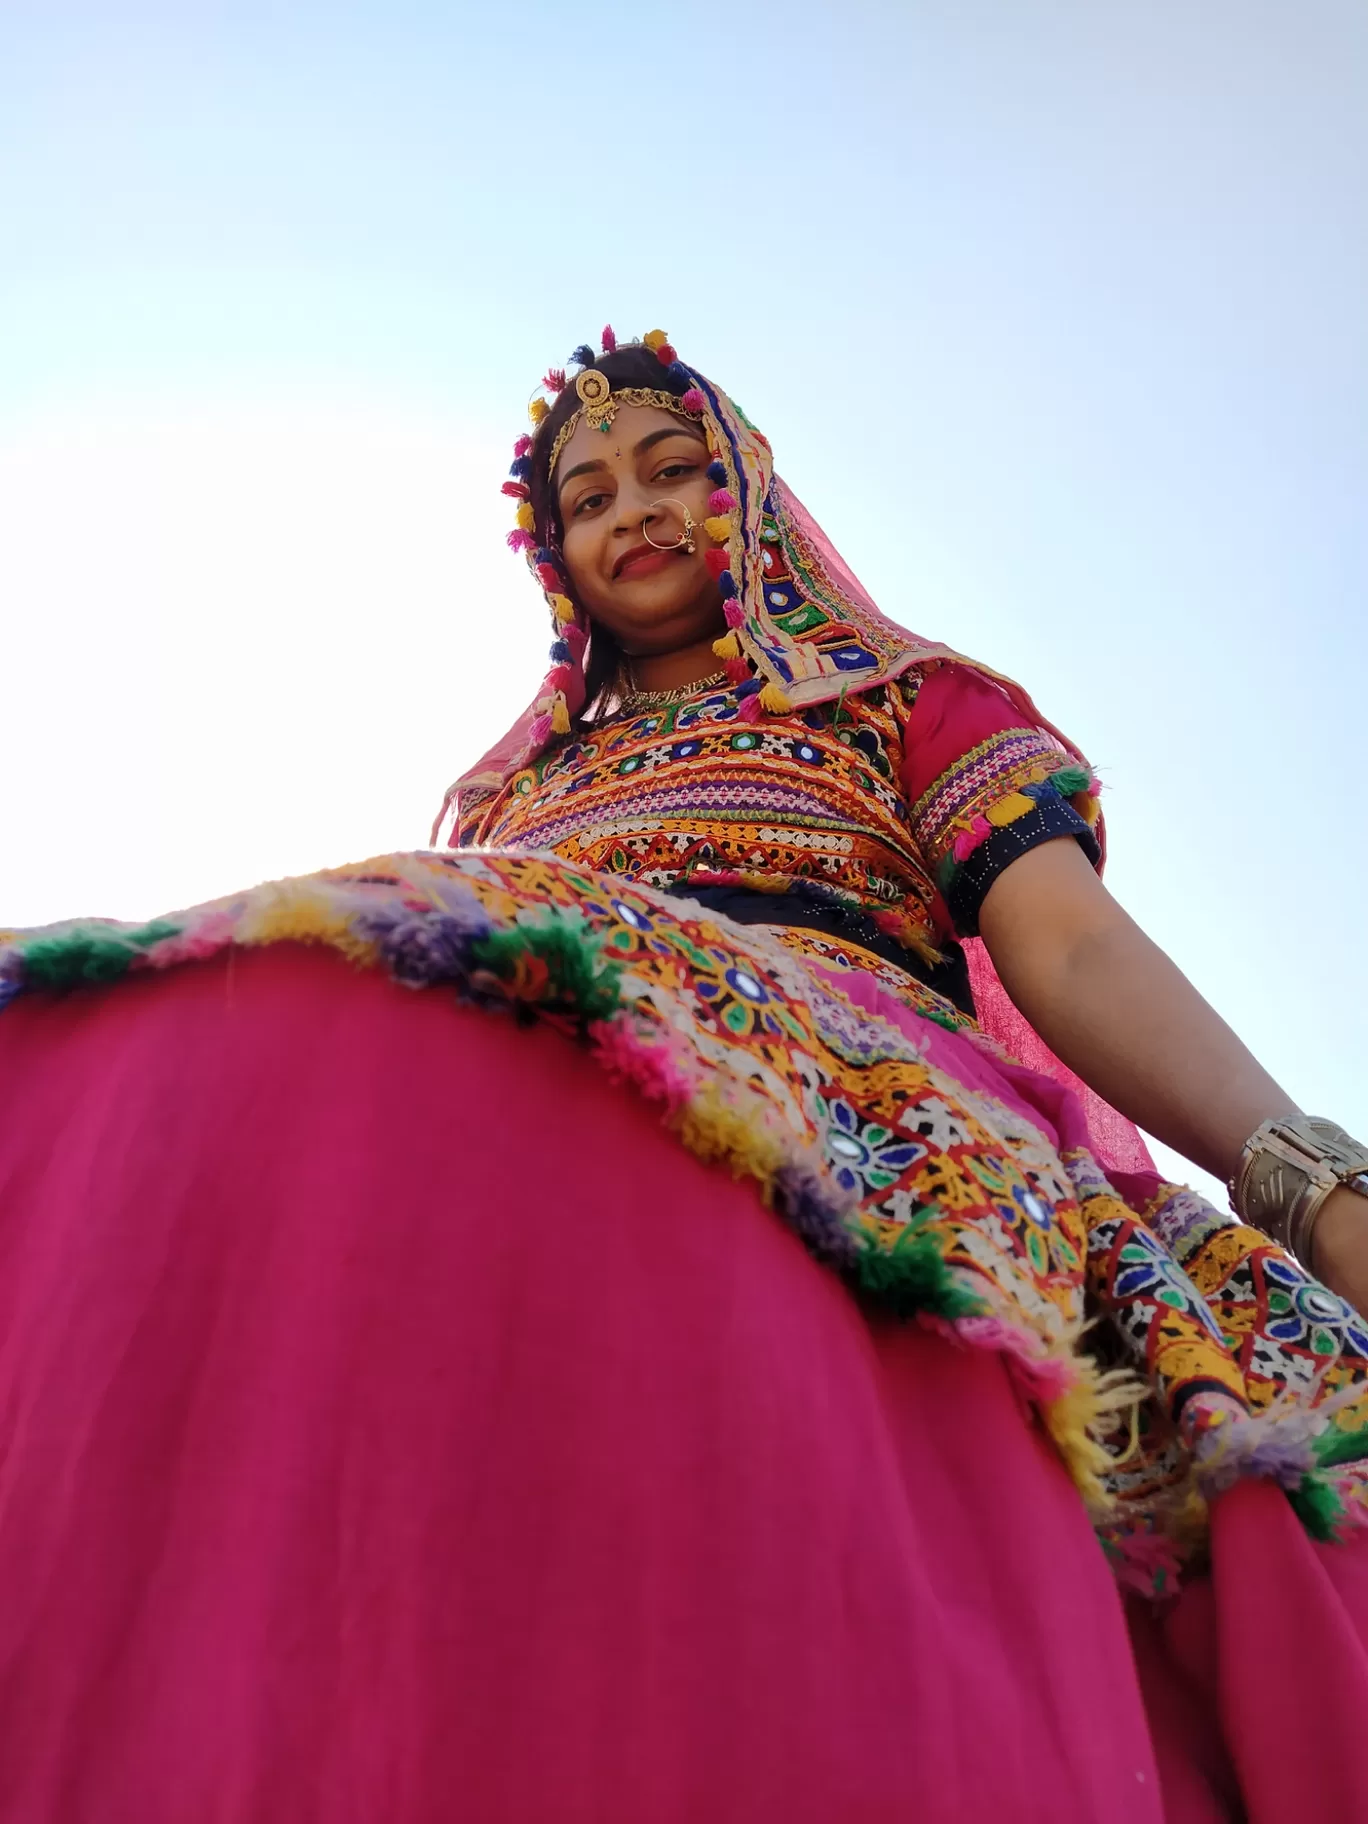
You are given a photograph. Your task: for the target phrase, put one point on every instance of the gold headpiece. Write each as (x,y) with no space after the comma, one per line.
(601,405)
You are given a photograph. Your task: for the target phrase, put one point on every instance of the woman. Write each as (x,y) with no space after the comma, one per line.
(408,1420)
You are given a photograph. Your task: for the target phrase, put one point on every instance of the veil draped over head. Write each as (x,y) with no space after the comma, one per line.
(801,631)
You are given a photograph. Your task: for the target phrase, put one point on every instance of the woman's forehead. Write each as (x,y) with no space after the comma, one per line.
(631,423)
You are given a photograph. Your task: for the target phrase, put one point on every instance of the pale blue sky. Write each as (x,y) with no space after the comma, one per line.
(1056,314)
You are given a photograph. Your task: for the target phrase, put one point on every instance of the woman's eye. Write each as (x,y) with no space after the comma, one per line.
(671,471)
(587,503)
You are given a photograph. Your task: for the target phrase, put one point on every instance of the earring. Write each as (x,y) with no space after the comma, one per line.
(686,537)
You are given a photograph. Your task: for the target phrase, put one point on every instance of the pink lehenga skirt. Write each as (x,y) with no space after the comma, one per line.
(400,1423)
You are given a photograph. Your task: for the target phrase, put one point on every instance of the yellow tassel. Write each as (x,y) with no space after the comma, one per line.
(1082,1409)
(297,913)
(560,716)
(1008,809)
(719,529)
(773,700)
(527,519)
(734,1133)
(563,608)
(538,410)
(655,338)
(1087,807)
(728,647)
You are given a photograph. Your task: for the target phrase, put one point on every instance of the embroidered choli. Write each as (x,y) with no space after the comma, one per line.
(904,802)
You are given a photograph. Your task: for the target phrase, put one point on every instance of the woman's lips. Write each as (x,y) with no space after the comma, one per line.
(642,563)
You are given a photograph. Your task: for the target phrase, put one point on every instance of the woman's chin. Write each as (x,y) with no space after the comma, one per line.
(650,600)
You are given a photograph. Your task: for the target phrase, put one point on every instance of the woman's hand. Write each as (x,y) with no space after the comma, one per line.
(1339,1247)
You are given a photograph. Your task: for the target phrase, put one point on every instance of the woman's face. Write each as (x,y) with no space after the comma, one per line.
(614,489)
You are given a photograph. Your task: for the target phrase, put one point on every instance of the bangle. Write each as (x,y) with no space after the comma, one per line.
(1287,1169)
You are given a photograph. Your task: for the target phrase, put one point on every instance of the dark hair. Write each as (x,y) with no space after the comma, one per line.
(633,366)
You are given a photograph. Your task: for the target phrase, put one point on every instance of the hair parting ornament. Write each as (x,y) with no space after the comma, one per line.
(598,406)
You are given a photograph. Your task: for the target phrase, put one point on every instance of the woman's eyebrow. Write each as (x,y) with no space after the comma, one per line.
(670,430)
(580,468)
(639,449)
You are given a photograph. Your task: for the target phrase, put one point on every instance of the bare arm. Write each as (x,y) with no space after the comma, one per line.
(1126,1019)
(1117,1011)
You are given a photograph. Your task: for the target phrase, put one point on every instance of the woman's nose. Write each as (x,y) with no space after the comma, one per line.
(631,508)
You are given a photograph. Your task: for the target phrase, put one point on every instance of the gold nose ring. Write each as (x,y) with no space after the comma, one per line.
(686,537)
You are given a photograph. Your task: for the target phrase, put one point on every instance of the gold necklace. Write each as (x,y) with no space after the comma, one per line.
(631,700)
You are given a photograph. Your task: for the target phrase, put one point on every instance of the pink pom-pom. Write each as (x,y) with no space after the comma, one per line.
(609,340)
(981,828)
(523,447)
(575,638)
(722,500)
(735,614)
(749,709)
(539,730)
(518,540)
(1095,787)
(554,380)
(964,845)
(694,401)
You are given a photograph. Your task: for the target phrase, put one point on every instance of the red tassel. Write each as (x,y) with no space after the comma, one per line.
(738,671)
(665,354)
(558,677)
(717,561)
(609,340)
(548,576)
(554,380)
(523,447)
(516,490)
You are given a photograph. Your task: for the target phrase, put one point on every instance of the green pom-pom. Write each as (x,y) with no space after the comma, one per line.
(911,1276)
(89,953)
(576,976)
(1317,1505)
(1071,779)
(1336,1446)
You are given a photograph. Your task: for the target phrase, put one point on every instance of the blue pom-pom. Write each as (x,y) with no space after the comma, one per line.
(749,688)
(583,355)
(560,652)
(677,371)
(542,556)
(717,474)
(726,585)
(521,468)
